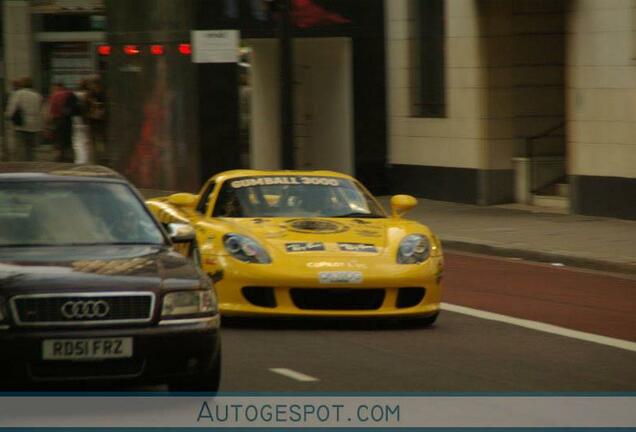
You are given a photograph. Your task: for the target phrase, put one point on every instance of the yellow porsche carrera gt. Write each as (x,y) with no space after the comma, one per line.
(308,243)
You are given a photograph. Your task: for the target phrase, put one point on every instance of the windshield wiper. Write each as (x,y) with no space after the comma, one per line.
(359,215)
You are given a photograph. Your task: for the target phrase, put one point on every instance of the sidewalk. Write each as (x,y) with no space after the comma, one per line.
(575,240)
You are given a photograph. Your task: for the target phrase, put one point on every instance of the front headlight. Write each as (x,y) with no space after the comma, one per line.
(179,303)
(245,249)
(414,249)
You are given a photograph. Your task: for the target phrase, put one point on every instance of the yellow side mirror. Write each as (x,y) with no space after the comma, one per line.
(400,204)
(183,200)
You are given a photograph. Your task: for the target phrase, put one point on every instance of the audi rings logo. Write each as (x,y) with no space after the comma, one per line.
(85,309)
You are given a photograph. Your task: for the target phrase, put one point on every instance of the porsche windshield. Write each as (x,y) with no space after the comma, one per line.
(294,196)
(34,213)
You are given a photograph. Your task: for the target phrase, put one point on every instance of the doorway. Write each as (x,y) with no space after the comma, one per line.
(323,104)
(524,48)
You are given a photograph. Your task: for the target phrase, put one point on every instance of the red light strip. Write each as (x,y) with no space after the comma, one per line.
(104,50)
(156,50)
(185,48)
(131,50)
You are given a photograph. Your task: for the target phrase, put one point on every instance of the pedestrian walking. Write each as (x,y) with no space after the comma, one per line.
(25,112)
(8,144)
(81,141)
(62,106)
(97,115)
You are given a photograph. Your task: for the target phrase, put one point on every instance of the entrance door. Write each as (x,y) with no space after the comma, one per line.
(323,102)
(324,110)
(303,117)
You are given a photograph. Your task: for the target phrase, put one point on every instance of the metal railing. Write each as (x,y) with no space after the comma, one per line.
(530,140)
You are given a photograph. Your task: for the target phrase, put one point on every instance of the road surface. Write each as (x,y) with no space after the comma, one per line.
(461,352)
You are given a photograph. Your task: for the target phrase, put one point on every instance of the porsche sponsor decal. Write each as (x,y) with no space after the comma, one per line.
(315,226)
(286,180)
(340,277)
(304,247)
(353,264)
(357,247)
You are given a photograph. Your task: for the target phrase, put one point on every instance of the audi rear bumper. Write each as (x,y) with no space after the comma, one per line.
(160,352)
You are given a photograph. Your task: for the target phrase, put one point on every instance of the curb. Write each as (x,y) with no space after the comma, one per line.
(530,255)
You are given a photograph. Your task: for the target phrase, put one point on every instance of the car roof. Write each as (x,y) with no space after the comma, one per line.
(250,173)
(56,170)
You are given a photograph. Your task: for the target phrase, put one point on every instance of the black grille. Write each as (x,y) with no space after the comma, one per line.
(337,298)
(260,296)
(34,310)
(409,297)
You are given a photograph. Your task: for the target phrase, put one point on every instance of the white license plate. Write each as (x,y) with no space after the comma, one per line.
(340,277)
(87,349)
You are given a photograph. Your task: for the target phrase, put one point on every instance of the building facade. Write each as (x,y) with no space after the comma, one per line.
(52,40)
(48,41)
(474,101)
(529,101)
(176,122)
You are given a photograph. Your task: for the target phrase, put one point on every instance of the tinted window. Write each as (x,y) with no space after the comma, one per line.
(202,207)
(429,58)
(73,213)
(294,196)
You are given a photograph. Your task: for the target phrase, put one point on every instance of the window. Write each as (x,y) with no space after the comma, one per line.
(429,98)
(204,202)
(252,197)
(51,213)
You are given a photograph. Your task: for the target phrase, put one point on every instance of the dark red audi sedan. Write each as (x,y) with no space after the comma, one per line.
(91,287)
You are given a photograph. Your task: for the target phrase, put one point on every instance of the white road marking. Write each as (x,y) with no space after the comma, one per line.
(543,327)
(293,374)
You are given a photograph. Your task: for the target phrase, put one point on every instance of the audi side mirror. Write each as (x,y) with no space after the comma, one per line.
(181,233)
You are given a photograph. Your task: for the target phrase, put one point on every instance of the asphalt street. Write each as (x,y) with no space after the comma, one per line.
(460,352)
(589,301)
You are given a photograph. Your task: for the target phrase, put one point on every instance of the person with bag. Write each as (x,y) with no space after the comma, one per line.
(62,108)
(25,112)
(81,142)
(96,116)
(8,145)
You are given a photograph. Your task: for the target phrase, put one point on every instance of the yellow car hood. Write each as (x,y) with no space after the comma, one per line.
(315,235)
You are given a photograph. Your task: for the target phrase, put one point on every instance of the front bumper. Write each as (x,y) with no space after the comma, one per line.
(285,292)
(159,354)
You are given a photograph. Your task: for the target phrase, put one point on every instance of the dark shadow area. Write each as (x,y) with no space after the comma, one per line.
(88,386)
(308,324)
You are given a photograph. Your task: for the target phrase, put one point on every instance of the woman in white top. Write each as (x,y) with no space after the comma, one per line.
(25,111)
(81,130)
